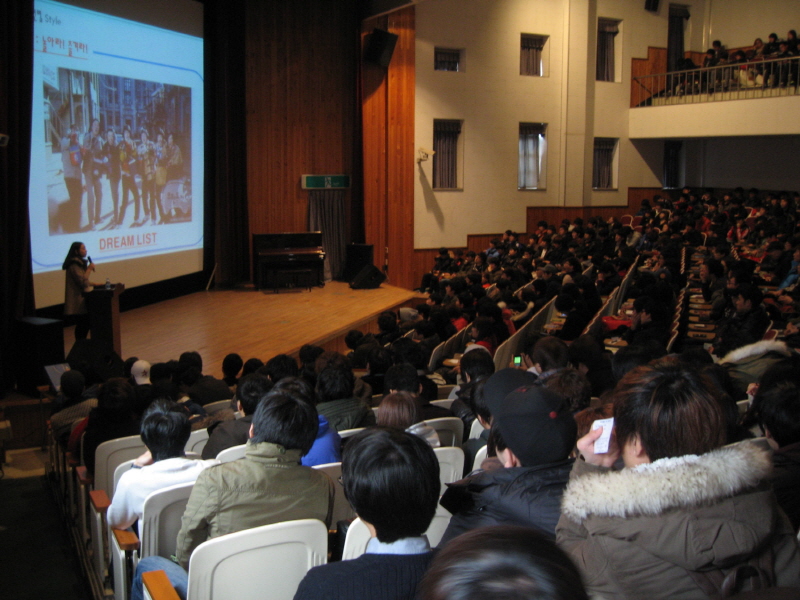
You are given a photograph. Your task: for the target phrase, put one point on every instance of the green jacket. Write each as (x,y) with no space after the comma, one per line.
(267,486)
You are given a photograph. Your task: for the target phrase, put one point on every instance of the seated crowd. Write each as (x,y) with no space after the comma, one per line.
(681,504)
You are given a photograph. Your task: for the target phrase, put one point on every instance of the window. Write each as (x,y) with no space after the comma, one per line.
(532,156)
(445,59)
(446,137)
(531,54)
(673,158)
(605,164)
(607,30)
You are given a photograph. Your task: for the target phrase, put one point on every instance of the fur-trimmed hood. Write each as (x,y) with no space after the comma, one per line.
(756,350)
(670,483)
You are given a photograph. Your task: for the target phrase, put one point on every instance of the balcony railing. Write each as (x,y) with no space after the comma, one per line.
(755,79)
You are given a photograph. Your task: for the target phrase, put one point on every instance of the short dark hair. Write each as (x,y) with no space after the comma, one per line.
(630,357)
(190,359)
(387,321)
(477,364)
(750,293)
(250,390)
(502,563)
(779,410)
(673,409)
(334,383)
(402,378)
(550,353)
(572,386)
(165,429)
(232,364)
(286,419)
(115,399)
(715,267)
(251,365)
(391,479)
(281,366)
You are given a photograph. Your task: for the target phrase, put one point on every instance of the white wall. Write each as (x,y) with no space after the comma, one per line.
(767,163)
(737,23)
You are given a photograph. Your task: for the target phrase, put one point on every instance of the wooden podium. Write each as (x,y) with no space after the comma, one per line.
(103,305)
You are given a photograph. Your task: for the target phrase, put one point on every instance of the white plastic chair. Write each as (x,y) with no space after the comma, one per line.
(232,453)
(451,465)
(158,533)
(480,456)
(215,407)
(450,430)
(475,430)
(358,536)
(197,441)
(342,511)
(268,561)
(444,402)
(346,433)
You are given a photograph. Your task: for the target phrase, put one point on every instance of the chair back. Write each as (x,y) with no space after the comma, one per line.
(109,455)
(232,453)
(450,430)
(342,511)
(275,558)
(161,520)
(480,456)
(443,402)
(121,468)
(358,536)
(346,433)
(215,407)
(197,441)
(475,430)
(451,465)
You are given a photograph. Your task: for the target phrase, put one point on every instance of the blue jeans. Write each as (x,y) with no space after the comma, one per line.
(177,576)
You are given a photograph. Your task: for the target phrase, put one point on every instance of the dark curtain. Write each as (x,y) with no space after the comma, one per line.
(607,29)
(227,228)
(672,163)
(326,213)
(530,56)
(16,74)
(445,161)
(603,171)
(675,44)
(446,60)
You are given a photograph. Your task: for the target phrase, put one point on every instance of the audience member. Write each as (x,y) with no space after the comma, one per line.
(399,411)
(335,401)
(404,378)
(112,418)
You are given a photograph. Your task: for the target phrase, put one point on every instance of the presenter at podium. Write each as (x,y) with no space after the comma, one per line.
(79,267)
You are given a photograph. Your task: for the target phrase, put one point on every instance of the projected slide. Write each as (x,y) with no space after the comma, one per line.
(117,137)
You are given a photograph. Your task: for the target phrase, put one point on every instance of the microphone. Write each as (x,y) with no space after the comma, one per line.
(88,259)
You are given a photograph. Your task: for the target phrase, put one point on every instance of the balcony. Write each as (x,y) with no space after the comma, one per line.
(752,98)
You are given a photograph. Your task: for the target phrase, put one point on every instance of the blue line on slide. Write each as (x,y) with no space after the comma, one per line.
(149,62)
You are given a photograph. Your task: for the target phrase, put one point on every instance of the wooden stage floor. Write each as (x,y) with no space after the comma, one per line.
(251,323)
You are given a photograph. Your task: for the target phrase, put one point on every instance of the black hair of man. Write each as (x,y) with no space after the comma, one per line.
(715,267)
(391,479)
(476,364)
(751,293)
(309,353)
(630,357)
(250,390)
(402,378)
(779,412)
(334,383)
(409,351)
(478,403)
(549,353)
(286,419)
(379,360)
(251,365)
(115,399)
(165,429)
(353,338)
(387,322)
(231,365)
(281,366)
(564,303)
(297,386)
(190,359)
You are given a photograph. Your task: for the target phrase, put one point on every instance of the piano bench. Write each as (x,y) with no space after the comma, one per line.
(293,277)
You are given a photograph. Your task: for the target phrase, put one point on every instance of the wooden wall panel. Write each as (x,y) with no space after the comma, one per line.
(300,101)
(387,104)
(654,64)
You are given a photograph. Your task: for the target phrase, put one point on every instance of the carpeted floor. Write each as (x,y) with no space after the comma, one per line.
(36,558)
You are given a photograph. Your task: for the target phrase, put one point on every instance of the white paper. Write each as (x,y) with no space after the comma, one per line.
(601,443)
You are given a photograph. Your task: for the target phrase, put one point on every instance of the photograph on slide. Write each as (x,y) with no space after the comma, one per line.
(120,152)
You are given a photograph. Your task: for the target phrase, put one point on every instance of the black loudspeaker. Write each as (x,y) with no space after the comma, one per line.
(95,360)
(369,278)
(651,5)
(380,47)
(356,257)
(39,342)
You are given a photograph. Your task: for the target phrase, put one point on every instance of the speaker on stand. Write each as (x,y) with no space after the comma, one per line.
(369,278)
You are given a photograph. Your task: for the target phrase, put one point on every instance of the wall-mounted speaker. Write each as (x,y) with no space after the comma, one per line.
(380,47)
(369,278)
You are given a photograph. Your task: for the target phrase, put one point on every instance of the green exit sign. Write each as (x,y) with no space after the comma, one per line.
(325,182)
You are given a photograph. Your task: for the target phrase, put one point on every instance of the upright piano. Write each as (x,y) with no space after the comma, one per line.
(284,259)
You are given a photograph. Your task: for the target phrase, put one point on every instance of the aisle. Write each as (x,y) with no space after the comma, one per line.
(37,561)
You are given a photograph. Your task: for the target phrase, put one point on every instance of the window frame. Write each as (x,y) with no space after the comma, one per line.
(614,166)
(616,49)
(460,66)
(544,59)
(522,173)
(455,153)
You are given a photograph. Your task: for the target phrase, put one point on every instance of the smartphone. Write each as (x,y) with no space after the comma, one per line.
(518,360)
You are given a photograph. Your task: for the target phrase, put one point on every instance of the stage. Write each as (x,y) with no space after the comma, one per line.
(252,323)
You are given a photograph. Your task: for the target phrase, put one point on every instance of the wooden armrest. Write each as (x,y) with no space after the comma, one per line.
(100,501)
(158,586)
(83,476)
(126,540)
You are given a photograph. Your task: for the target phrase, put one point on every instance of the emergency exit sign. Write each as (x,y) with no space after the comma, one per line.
(325,182)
